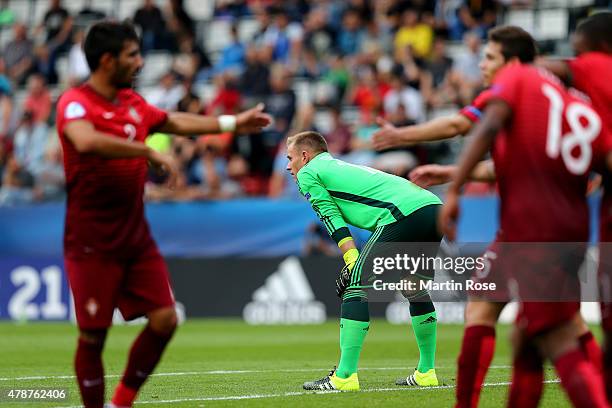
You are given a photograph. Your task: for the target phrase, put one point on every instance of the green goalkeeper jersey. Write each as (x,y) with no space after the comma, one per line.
(343,193)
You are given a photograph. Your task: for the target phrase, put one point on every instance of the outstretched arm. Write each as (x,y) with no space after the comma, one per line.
(441,128)
(435,174)
(181,123)
(496,115)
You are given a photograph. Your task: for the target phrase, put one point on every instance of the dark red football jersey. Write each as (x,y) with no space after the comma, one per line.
(591,75)
(543,158)
(105,210)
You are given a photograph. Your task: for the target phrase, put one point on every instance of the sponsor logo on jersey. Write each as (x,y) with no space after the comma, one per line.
(74,110)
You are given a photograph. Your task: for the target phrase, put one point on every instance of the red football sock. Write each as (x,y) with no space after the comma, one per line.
(591,349)
(90,373)
(581,380)
(144,356)
(474,360)
(527,377)
(607,364)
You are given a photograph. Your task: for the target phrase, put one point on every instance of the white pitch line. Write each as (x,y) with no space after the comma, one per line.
(224,372)
(296,394)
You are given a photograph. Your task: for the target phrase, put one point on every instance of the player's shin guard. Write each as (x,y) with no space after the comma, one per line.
(144,356)
(474,360)
(581,380)
(90,372)
(425,325)
(354,326)
(527,378)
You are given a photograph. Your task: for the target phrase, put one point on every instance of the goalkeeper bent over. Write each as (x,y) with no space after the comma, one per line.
(395,210)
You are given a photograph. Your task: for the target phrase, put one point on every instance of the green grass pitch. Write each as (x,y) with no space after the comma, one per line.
(228,363)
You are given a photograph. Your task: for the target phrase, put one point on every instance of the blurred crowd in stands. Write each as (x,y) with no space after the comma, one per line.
(355,60)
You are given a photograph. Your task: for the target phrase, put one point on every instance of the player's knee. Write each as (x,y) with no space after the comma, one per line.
(96,337)
(163,321)
(482,313)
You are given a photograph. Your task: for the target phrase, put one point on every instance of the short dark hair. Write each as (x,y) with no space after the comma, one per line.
(597,31)
(310,140)
(107,37)
(515,42)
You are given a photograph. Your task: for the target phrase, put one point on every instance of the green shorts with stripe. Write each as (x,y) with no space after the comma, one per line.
(416,235)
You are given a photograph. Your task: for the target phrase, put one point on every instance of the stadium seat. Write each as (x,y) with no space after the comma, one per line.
(22,11)
(127,8)
(200,9)
(156,64)
(205,91)
(74,6)
(522,18)
(303,91)
(552,24)
(61,66)
(247,29)
(323,120)
(40,8)
(553,3)
(217,35)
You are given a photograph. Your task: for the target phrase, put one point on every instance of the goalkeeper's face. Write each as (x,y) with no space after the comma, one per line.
(297,159)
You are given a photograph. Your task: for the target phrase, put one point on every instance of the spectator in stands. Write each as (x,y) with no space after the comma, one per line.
(264,21)
(466,73)
(78,69)
(339,137)
(377,36)
(88,15)
(191,59)
(7,16)
(167,94)
(6,104)
(44,63)
(231,8)
(227,101)
(232,55)
(30,143)
(404,97)
(19,55)
(311,66)
(152,25)
(50,178)
(414,33)
(179,22)
(255,80)
(281,103)
(439,67)
(351,34)
(477,16)
(17,185)
(319,36)
(38,100)
(368,93)
(57,23)
(334,84)
(284,38)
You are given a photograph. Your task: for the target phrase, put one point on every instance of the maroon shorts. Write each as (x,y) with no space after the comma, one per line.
(136,287)
(493,273)
(537,317)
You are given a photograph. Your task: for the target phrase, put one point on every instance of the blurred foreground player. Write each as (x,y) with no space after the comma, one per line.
(111,259)
(543,141)
(396,211)
(590,73)
(506,45)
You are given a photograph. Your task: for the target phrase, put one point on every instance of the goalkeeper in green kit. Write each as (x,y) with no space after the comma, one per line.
(395,210)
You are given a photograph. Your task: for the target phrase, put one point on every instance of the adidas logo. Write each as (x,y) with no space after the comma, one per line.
(286,297)
(430,319)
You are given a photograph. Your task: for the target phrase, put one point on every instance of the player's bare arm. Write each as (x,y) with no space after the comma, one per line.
(389,136)
(496,114)
(556,66)
(249,121)
(86,139)
(435,174)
